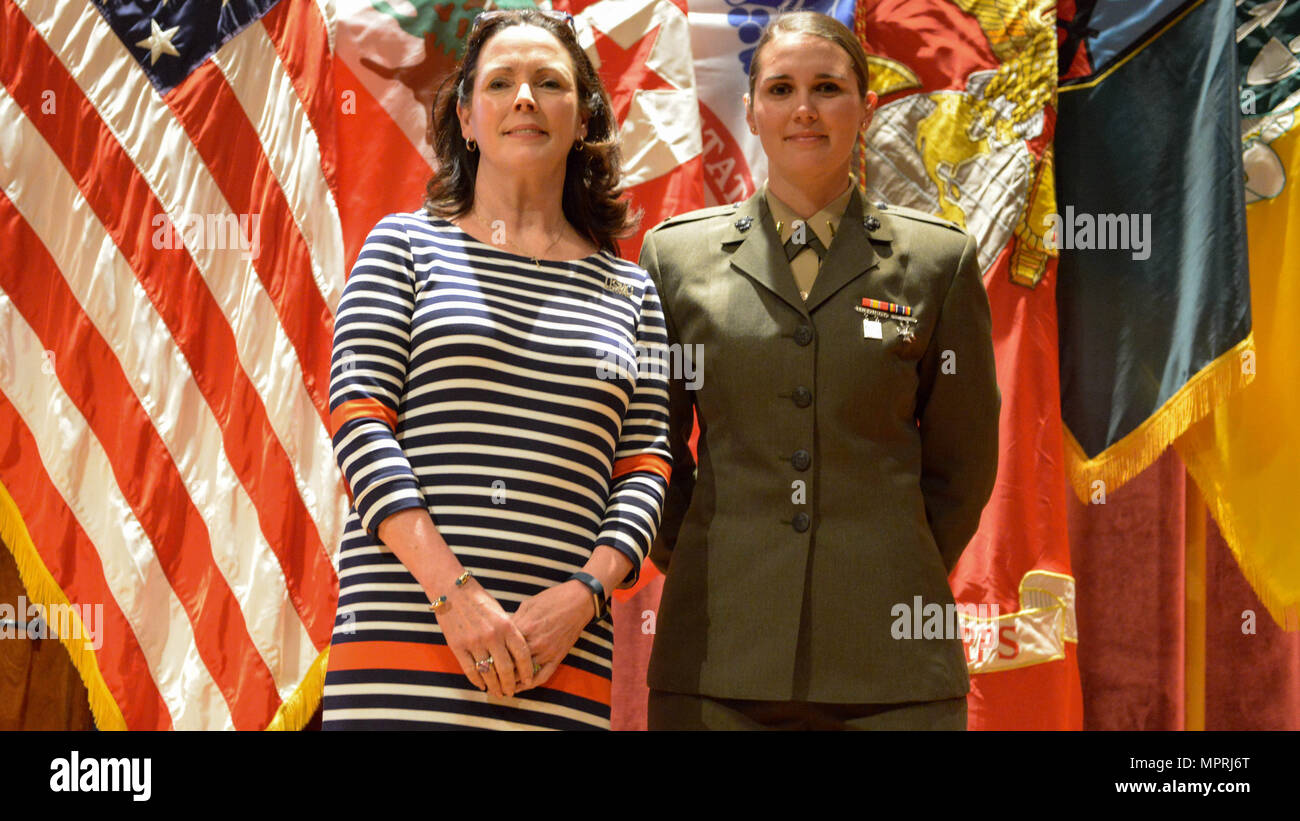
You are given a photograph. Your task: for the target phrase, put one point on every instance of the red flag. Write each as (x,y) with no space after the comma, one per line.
(642,50)
(964,129)
(173,258)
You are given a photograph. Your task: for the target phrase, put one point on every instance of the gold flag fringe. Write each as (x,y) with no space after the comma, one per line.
(1141,447)
(297,709)
(294,712)
(1285,612)
(1135,453)
(42,589)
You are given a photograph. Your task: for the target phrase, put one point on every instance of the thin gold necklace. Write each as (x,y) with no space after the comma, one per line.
(536,259)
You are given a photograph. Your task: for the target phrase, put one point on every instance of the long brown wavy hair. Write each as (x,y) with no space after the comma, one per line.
(593,187)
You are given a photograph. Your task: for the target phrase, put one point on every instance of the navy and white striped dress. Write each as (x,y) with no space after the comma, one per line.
(525,406)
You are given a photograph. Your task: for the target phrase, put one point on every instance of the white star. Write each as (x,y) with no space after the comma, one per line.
(159,42)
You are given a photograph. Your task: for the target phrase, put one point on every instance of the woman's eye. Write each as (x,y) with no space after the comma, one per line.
(828,88)
(778,89)
(497,84)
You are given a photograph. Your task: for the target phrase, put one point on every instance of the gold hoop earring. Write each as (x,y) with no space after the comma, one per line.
(471,145)
(578,145)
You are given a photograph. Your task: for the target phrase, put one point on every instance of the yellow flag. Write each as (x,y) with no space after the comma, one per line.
(1245,456)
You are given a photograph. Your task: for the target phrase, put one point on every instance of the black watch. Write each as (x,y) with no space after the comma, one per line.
(598,595)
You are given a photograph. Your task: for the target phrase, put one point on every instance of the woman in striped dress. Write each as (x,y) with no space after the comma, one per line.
(498,408)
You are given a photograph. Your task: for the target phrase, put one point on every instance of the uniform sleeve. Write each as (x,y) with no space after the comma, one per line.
(681,423)
(372,334)
(957,412)
(642,460)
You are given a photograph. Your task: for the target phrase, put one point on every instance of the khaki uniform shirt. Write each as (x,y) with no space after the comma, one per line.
(822,224)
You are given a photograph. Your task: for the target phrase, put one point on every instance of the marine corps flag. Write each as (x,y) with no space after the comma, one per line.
(964,130)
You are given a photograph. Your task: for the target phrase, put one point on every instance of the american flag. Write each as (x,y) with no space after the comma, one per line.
(172,257)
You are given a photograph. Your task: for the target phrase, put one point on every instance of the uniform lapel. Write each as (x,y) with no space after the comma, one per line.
(758,253)
(851,254)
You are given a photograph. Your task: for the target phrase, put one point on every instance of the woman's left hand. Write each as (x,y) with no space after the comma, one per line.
(551,622)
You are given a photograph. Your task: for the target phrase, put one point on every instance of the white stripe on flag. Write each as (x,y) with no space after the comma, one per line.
(329,17)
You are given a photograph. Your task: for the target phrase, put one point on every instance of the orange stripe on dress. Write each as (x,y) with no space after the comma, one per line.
(362,409)
(644,461)
(438,658)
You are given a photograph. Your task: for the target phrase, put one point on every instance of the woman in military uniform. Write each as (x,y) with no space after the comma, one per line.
(848,415)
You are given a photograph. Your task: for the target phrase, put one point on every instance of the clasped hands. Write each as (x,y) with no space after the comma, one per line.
(525,648)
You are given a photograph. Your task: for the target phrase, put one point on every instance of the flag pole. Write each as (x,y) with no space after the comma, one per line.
(1194,599)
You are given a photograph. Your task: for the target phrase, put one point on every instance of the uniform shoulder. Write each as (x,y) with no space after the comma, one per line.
(696,216)
(918,216)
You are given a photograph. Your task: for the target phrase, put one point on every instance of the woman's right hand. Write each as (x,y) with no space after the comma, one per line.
(476,627)
(473,623)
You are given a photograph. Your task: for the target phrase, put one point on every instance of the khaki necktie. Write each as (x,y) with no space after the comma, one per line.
(804,237)
(794,248)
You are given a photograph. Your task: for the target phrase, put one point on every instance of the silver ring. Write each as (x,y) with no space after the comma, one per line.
(484,666)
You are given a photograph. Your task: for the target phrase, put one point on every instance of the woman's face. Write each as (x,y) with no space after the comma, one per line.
(523,109)
(806,108)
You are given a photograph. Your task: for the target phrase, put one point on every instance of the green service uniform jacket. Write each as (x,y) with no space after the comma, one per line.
(839,475)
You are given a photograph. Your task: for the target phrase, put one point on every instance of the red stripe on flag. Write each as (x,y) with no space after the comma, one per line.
(77,569)
(228,143)
(123,201)
(93,378)
(302,41)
